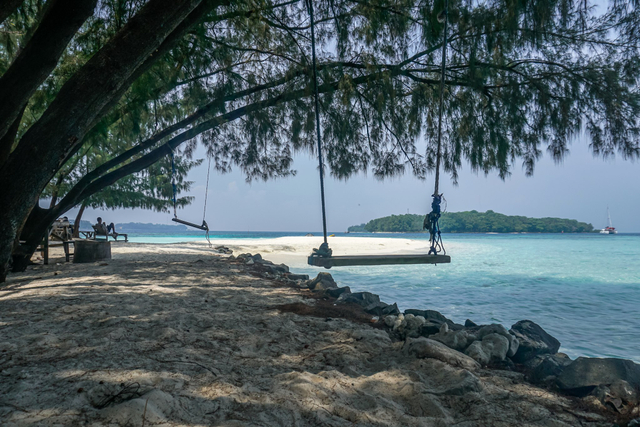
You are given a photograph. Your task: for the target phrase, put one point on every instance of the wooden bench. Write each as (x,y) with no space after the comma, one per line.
(92,235)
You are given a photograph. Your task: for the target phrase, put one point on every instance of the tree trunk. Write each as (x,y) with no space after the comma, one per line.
(7,141)
(45,146)
(55,191)
(76,224)
(39,221)
(34,63)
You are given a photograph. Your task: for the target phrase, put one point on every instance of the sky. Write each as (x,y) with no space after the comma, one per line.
(581,188)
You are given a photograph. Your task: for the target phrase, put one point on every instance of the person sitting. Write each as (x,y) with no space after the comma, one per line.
(101,227)
(111,228)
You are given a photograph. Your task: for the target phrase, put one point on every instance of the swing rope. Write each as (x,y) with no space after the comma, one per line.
(206,195)
(323,250)
(174,186)
(431,220)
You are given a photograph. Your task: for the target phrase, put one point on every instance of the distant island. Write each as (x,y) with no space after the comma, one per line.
(474,222)
(138,227)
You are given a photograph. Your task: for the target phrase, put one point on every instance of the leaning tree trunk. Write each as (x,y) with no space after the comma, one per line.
(80,102)
(76,224)
(33,232)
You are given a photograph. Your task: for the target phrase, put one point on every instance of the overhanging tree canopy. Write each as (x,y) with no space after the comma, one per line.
(155,76)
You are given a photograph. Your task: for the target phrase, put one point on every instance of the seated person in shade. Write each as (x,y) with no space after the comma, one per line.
(101,227)
(104,229)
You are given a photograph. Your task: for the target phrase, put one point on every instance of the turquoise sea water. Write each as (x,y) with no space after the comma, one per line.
(584,289)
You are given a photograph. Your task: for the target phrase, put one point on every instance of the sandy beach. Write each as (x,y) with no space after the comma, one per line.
(177,335)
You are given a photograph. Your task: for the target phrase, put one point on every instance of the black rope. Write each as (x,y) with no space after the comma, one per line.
(173,184)
(204,212)
(206,192)
(441,107)
(431,221)
(324,248)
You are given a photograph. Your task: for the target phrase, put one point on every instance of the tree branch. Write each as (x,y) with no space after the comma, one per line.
(77,194)
(34,63)
(7,7)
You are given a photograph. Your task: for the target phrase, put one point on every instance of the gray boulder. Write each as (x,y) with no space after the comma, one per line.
(548,368)
(363,299)
(414,322)
(322,282)
(429,328)
(626,392)
(336,292)
(391,310)
(492,349)
(429,315)
(585,373)
(381,309)
(457,340)
(275,269)
(496,328)
(412,326)
(533,341)
(425,348)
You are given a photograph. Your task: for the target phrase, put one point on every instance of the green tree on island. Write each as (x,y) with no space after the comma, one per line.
(475,222)
(160,76)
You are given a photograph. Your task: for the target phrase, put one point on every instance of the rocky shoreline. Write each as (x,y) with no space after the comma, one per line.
(606,385)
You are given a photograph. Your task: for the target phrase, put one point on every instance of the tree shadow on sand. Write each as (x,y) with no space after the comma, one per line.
(195,339)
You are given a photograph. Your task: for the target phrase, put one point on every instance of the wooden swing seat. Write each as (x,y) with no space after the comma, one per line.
(202,227)
(349,260)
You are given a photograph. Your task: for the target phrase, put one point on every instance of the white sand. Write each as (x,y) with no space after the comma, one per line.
(294,251)
(174,335)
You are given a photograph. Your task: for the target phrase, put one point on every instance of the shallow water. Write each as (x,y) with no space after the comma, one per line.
(584,289)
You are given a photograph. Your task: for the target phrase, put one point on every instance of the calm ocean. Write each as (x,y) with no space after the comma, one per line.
(584,289)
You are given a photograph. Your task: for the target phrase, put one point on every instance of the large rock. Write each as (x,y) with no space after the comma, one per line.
(626,392)
(457,340)
(584,374)
(414,324)
(277,269)
(492,349)
(429,328)
(336,292)
(322,282)
(363,299)
(426,348)
(548,368)
(429,315)
(496,328)
(533,341)
(382,309)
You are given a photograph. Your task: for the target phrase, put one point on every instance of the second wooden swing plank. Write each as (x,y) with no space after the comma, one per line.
(349,260)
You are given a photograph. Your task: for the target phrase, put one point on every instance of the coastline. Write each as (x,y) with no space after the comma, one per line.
(178,335)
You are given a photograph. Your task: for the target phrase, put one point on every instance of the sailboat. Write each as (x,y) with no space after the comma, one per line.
(610,229)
